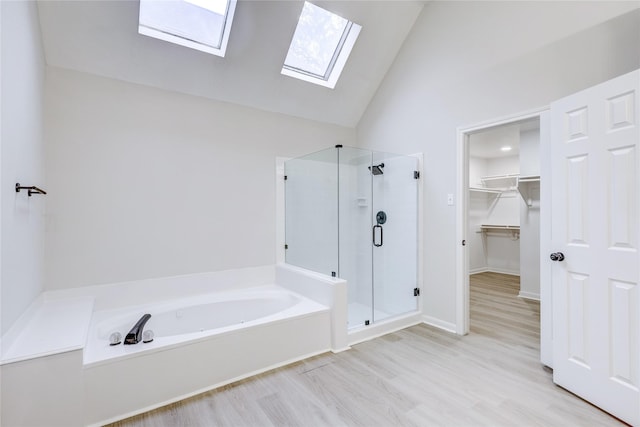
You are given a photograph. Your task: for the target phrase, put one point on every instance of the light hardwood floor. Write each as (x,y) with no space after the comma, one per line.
(420,376)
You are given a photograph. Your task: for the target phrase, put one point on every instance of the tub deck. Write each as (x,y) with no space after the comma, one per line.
(50,326)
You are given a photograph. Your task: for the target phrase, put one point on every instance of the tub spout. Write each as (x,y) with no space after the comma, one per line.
(135,334)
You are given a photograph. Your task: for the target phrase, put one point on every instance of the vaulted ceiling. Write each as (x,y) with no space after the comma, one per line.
(101,37)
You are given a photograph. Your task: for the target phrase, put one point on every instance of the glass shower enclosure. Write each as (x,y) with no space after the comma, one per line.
(352,213)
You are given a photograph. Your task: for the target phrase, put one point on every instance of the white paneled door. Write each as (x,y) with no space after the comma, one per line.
(595,235)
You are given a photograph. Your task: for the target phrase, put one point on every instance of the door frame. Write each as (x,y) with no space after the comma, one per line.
(462,256)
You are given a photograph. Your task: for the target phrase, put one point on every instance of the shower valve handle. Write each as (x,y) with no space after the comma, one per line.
(375,243)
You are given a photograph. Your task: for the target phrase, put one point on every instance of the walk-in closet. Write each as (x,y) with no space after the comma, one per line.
(503,210)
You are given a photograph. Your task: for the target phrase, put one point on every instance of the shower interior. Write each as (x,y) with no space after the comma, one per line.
(352,213)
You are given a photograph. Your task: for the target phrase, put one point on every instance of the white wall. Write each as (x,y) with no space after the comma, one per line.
(468,62)
(530,217)
(530,153)
(22,223)
(477,208)
(147,183)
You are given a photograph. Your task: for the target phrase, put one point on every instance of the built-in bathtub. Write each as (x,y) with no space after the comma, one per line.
(192,319)
(210,329)
(199,343)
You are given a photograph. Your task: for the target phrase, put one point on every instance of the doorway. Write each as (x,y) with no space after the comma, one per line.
(501,222)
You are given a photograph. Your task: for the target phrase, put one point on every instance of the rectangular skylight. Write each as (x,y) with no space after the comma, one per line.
(320,47)
(198,24)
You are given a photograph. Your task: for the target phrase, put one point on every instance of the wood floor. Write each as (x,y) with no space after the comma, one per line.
(420,376)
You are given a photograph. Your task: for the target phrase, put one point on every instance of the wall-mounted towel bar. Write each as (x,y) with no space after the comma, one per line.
(32,190)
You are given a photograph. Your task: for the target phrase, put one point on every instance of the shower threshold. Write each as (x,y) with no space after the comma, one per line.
(359,313)
(388,325)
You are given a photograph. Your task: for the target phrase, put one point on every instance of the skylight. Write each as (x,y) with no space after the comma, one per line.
(320,47)
(198,24)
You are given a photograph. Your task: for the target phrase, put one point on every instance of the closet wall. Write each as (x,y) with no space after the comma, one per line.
(529,185)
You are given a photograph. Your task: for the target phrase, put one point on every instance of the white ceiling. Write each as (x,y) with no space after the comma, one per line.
(101,37)
(486,144)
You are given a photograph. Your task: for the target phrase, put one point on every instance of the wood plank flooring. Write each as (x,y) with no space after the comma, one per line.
(420,376)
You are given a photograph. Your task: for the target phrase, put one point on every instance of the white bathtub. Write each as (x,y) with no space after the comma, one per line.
(193,319)
(210,329)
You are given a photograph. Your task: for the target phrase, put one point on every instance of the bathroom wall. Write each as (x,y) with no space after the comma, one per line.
(22,153)
(468,62)
(148,183)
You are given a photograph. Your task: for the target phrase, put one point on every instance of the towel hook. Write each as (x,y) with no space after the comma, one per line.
(32,190)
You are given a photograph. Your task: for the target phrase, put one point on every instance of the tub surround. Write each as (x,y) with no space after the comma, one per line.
(332,293)
(44,355)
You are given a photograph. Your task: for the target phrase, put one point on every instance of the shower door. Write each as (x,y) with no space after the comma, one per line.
(377,233)
(394,235)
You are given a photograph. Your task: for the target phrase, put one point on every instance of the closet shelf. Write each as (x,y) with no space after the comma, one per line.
(525,186)
(504,182)
(499,227)
(513,229)
(485,190)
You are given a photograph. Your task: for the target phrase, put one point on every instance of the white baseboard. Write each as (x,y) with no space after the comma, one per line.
(438,323)
(499,271)
(529,295)
(478,270)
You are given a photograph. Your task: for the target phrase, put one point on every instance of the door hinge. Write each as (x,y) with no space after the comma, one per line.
(416,174)
(286,246)
(285,177)
(416,292)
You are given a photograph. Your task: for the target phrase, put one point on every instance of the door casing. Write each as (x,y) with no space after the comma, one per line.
(462,258)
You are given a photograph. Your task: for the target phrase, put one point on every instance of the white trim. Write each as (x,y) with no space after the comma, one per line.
(462,171)
(529,295)
(504,271)
(496,270)
(546,312)
(461,326)
(440,324)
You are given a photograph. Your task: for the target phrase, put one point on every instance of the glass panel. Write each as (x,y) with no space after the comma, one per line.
(355,232)
(311,211)
(395,194)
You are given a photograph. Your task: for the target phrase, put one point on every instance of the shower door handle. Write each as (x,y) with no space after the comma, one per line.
(375,241)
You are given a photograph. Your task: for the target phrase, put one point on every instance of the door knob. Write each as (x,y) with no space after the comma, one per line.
(557,256)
